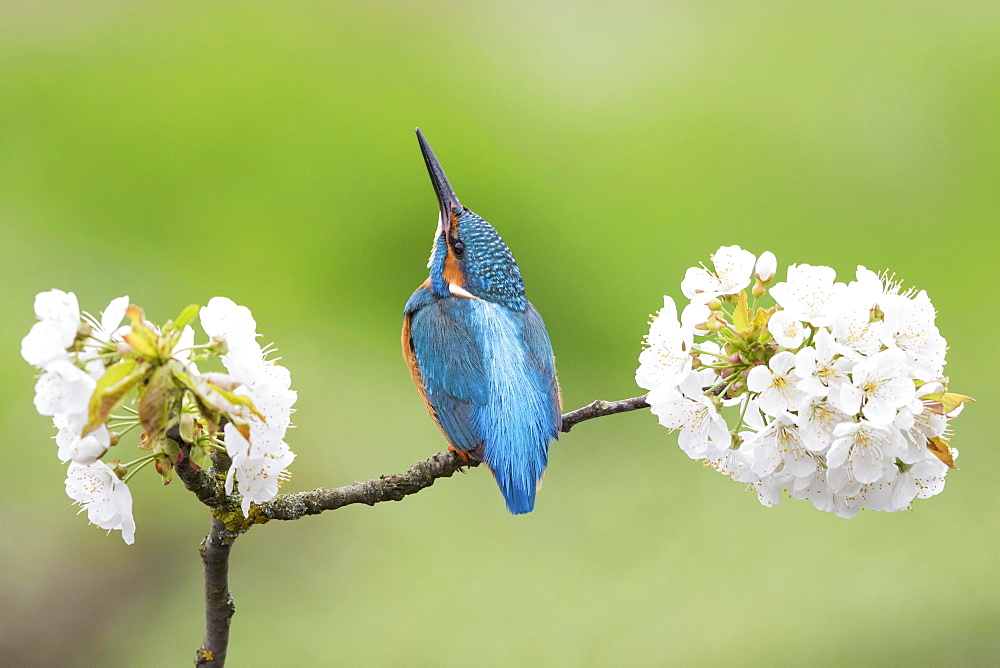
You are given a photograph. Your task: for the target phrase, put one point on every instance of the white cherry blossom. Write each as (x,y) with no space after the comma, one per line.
(107,500)
(822,365)
(780,445)
(737,464)
(817,418)
(918,423)
(81,449)
(909,326)
(776,384)
(921,480)
(58,315)
(694,314)
(854,329)
(260,477)
(703,432)
(905,482)
(765,267)
(667,359)
(842,411)
(64,388)
(880,387)
(769,489)
(787,329)
(254,460)
(809,293)
(865,292)
(258,464)
(109,330)
(815,488)
(861,449)
(226,320)
(733,268)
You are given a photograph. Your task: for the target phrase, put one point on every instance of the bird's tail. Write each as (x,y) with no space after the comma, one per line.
(518,482)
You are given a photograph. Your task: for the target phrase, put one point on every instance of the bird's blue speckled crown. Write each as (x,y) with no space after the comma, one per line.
(488,264)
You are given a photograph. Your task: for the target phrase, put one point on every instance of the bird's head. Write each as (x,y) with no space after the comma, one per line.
(468,257)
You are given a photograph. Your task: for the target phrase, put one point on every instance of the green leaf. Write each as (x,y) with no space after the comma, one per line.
(135,314)
(236,400)
(214,402)
(949,400)
(243,428)
(111,390)
(186,426)
(165,468)
(143,340)
(171,449)
(939,447)
(741,314)
(154,407)
(186,316)
(212,395)
(200,457)
(761,317)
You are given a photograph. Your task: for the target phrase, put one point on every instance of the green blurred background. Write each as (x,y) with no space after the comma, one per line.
(265,151)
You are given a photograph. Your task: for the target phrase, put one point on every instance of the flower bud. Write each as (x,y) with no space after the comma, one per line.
(165,468)
(714,304)
(765,267)
(930,388)
(758,289)
(735,358)
(219,345)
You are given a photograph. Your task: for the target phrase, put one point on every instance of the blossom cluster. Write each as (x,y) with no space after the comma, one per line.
(93,367)
(836,392)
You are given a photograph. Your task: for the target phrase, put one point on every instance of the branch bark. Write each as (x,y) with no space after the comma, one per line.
(600,409)
(203,484)
(219,605)
(420,476)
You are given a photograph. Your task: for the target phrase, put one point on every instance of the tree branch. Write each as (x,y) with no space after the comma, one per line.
(385,488)
(202,483)
(219,606)
(420,476)
(601,409)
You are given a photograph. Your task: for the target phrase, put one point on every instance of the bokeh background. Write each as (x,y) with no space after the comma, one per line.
(265,151)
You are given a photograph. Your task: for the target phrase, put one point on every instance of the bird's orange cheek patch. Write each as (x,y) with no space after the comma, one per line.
(452,274)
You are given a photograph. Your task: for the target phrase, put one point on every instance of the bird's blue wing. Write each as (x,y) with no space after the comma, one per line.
(449,359)
(517,422)
(539,350)
(488,377)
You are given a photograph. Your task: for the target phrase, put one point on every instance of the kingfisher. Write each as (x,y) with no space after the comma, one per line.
(478,350)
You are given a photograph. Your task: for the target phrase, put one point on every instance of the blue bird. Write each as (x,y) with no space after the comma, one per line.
(478,350)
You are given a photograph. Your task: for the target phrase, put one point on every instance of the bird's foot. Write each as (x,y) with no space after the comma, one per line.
(464,456)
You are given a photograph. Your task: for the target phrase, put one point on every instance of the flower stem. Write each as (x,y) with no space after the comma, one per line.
(130,427)
(143,462)
(743,412)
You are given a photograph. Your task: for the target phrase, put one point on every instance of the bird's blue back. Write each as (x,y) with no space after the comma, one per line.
(484,362)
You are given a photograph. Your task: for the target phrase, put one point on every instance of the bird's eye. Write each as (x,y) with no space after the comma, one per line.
(458,247)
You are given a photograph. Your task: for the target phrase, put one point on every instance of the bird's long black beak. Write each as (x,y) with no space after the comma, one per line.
(447,199)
